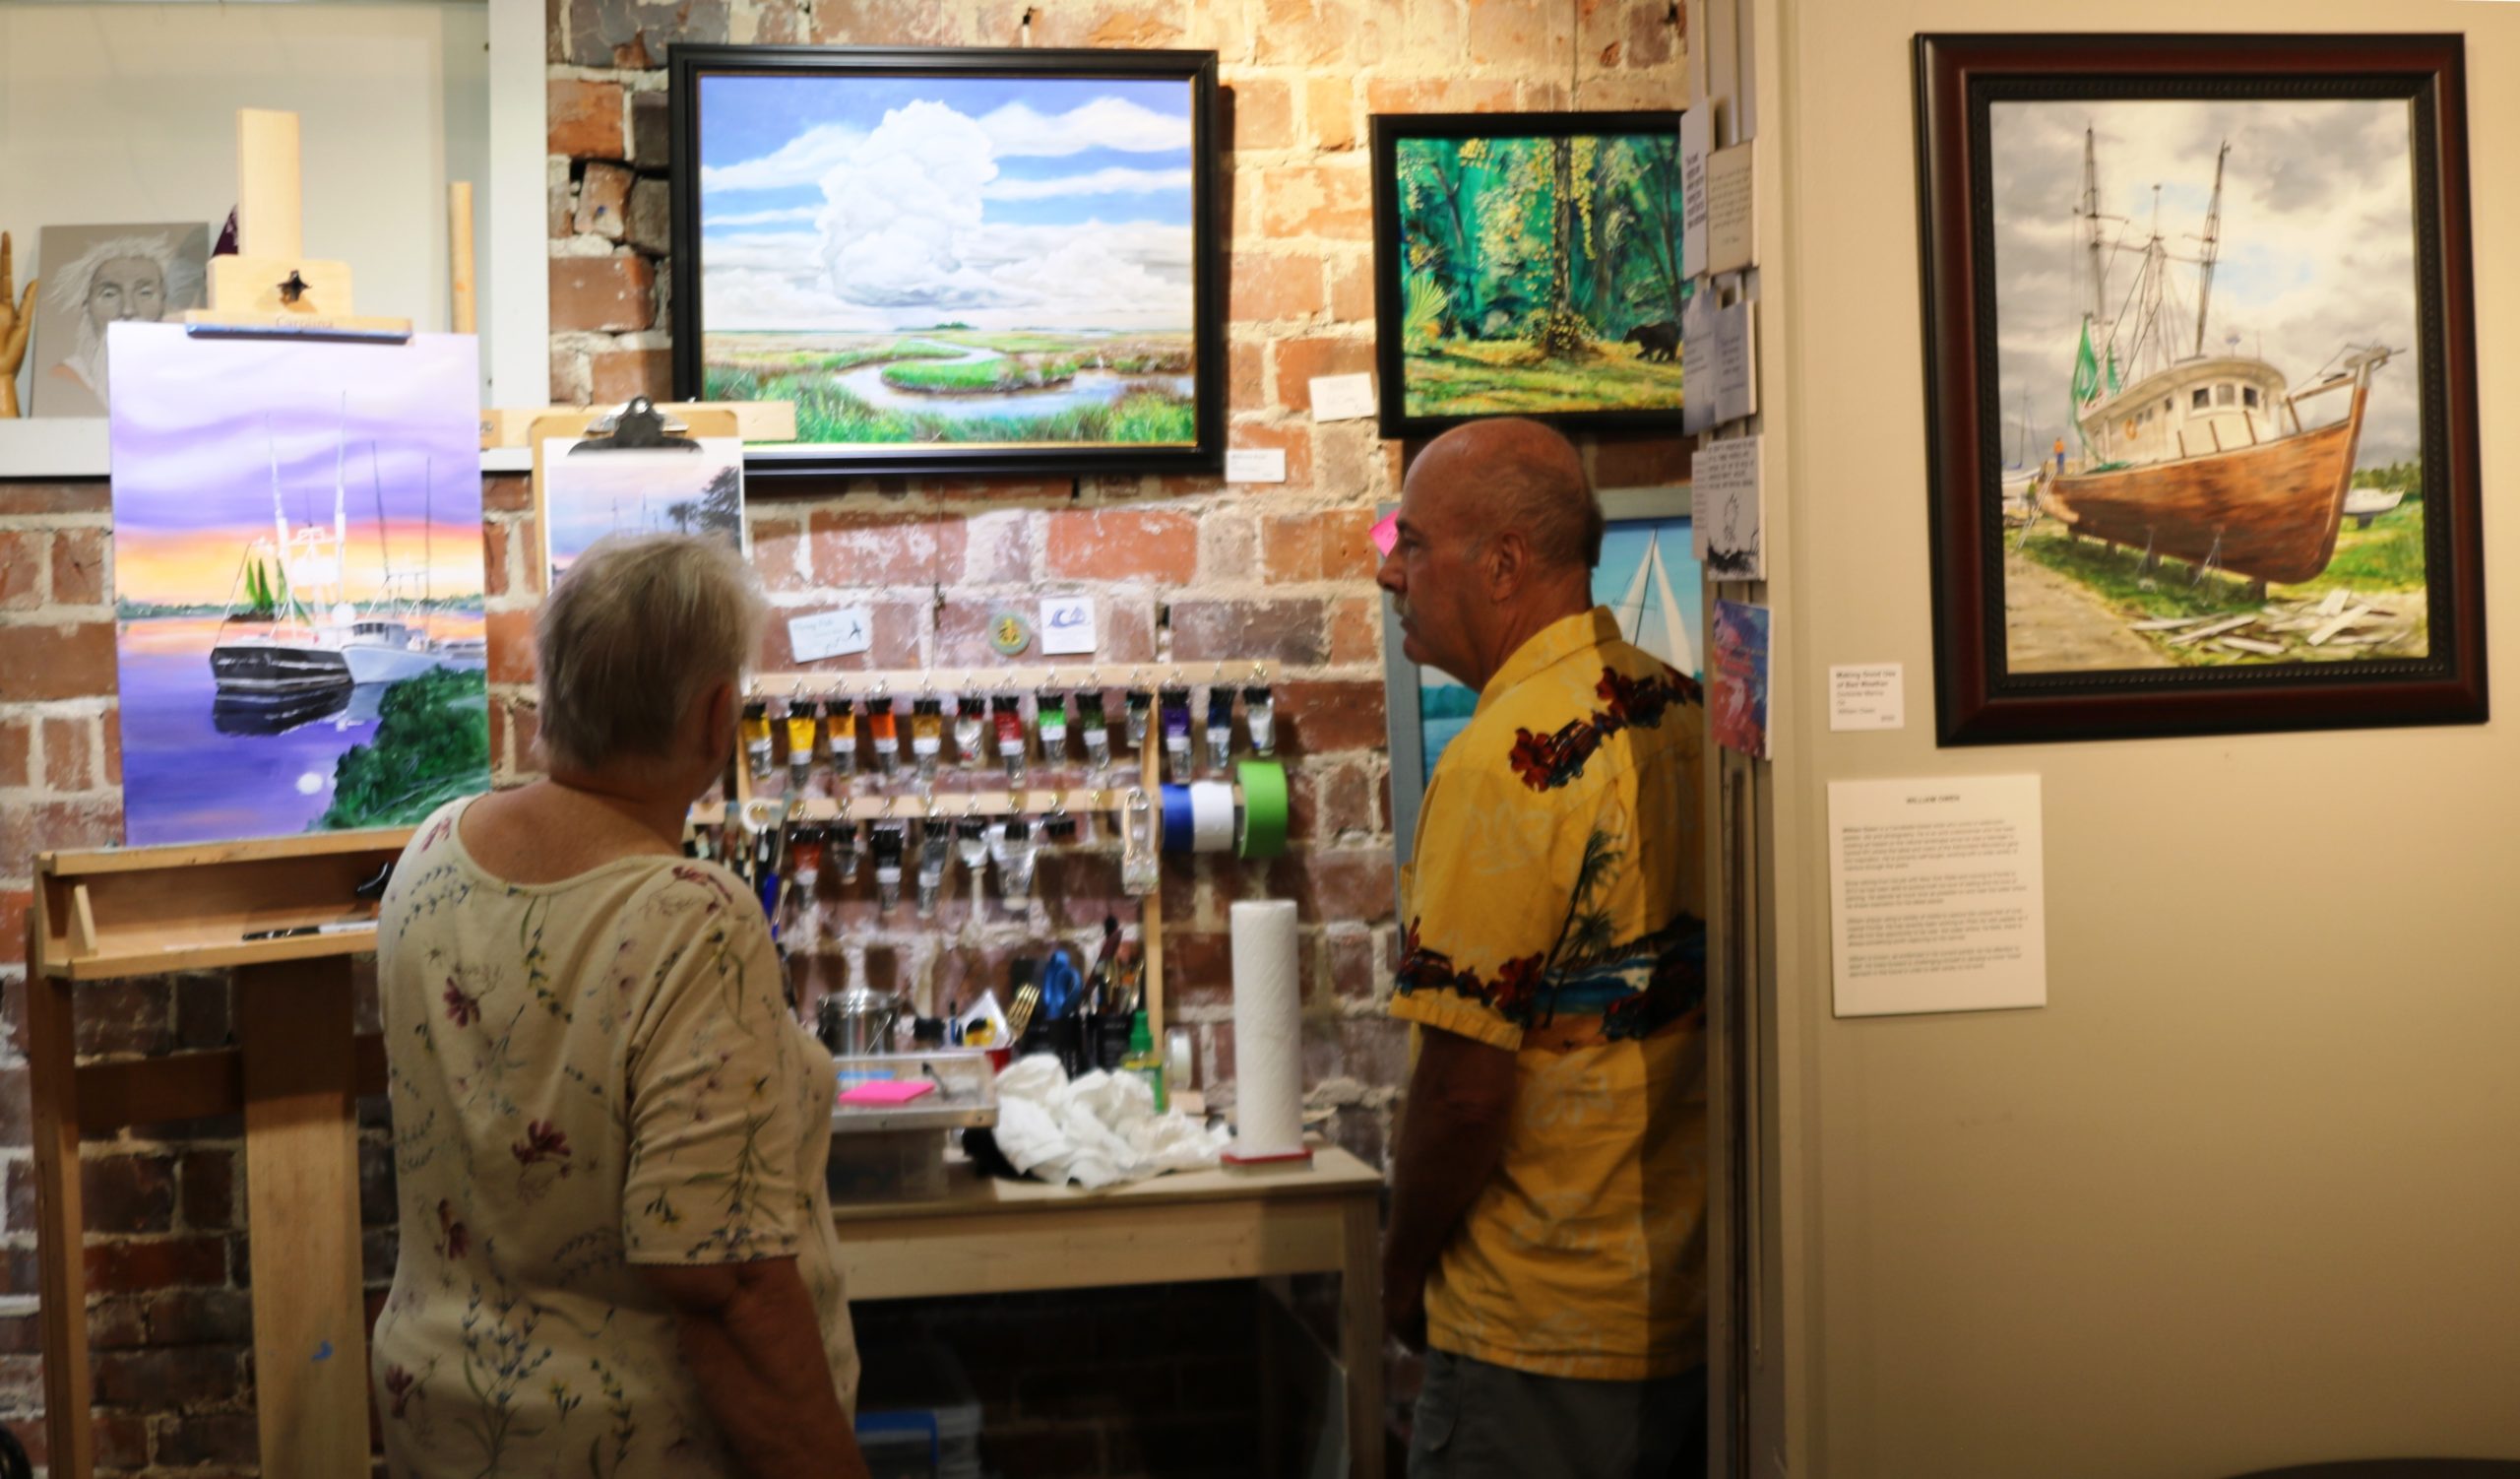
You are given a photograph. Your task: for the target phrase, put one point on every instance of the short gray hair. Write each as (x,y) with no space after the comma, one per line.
(638,627)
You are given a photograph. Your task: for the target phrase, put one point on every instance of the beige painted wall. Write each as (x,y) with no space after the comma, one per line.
(2247,1190)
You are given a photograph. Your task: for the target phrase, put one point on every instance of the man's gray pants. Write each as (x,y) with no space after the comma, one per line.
(1480,1421)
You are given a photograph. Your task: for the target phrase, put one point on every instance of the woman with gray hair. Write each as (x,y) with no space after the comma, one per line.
(609,1136)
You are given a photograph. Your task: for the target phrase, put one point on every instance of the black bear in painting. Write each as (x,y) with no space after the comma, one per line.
(1656,342)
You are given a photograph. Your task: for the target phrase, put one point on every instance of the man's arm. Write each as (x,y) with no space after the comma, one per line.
(1452,1134)
(749,1336)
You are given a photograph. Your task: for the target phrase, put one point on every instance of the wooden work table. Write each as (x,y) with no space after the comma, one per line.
(999,1236)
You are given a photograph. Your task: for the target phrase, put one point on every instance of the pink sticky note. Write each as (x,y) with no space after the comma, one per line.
(1387,534)
(888,1091)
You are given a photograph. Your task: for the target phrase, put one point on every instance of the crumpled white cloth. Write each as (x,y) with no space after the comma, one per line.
(1099,1130)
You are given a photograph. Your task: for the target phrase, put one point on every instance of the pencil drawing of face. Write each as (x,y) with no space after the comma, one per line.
(94,277)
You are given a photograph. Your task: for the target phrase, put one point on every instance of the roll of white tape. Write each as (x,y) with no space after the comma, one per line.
(1268,1037)
(1210,817)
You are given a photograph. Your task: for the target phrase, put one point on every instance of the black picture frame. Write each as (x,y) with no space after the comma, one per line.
(690,65)
(1978,698)
(1388,132)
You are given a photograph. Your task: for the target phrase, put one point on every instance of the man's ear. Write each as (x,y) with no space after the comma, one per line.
(1509,562)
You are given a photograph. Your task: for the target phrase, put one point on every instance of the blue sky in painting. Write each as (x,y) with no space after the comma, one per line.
(849,203)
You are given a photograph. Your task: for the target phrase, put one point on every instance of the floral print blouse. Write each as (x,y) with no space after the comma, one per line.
(586,1076)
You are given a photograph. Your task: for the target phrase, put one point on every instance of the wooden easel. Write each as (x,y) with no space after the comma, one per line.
(298,1067)
(295,1072)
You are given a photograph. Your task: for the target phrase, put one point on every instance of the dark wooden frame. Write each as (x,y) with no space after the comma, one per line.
(1977,701)
(1388,129)
(688,64)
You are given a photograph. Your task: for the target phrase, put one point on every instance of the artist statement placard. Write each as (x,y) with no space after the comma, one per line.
(1938,895)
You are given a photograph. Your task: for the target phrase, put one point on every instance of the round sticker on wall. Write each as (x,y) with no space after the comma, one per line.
(1010,634)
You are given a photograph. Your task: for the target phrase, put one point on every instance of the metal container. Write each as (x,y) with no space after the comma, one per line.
(858,1021)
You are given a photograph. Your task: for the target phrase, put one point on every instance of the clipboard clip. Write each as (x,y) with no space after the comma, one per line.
(636,427)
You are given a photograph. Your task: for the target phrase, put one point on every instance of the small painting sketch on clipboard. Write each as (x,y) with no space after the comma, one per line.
(669,490)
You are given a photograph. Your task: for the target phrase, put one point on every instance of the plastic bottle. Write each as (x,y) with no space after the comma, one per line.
(1144,1062)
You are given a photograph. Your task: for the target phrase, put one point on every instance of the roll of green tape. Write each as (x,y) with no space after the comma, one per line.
(1263,833)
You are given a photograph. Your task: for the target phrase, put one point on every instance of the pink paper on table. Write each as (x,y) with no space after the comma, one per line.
(1386,533)
(888,1091)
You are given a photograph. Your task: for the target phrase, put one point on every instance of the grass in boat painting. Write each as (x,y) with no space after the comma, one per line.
(1537,276)
(2211,434)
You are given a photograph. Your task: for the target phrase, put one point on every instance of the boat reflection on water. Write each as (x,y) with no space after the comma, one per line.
(280,713)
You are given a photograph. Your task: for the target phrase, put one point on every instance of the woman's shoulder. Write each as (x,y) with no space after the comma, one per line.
(681,898)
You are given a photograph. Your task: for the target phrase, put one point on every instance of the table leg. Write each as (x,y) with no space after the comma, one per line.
(1360,1336)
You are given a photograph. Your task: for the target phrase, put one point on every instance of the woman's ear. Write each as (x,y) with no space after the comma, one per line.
(716,713)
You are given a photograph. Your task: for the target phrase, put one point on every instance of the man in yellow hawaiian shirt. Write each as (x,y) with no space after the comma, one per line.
(1546,1238)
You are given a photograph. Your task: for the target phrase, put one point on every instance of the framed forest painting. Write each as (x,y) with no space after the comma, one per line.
(2201,376)
(953,261)
(1528,265)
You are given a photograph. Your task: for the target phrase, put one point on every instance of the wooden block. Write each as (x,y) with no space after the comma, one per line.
(459,210)
(301,1174)
(83,921)
(270,219)
(249,287)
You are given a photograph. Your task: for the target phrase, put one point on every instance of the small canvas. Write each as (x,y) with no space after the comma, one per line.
(587,494)
(1738,694)
(92,278)
(298,582)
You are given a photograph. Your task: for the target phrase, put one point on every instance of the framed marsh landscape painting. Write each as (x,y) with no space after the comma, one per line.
(1528,264)
(2200,365)
(953,261)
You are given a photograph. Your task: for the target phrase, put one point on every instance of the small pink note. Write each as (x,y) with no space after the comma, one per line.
(888,1091)
(1386,533)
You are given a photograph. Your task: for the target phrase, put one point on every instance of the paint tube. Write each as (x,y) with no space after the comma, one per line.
(1260,716)
(1049,720)
(839,726)
(927,736)
(1177,734)
(1095,729)
(884,723)
(1006,711)
(756,731)
(801,727)
(971,727)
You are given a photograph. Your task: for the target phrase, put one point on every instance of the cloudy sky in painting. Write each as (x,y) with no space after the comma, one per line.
(2317,243)
(205,433)
(877,204)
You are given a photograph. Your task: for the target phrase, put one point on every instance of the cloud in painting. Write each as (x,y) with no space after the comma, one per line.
(800,160)
(920,219)
(1103,123)
(2317,244)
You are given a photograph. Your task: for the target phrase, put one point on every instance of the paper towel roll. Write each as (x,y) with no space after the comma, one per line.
(1210,817)
(1268,1042)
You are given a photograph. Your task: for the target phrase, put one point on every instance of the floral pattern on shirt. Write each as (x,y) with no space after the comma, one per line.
(585,1076)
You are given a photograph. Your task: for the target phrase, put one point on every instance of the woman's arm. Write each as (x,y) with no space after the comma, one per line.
(752,1342)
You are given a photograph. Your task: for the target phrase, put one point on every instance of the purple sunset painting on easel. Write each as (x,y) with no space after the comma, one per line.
(297,580)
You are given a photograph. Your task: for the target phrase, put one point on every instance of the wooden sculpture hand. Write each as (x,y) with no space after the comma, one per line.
(14,323)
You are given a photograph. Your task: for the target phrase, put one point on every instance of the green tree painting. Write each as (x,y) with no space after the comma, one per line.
(1539,276)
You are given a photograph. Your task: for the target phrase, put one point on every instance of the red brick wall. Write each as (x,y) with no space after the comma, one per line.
(1181,569)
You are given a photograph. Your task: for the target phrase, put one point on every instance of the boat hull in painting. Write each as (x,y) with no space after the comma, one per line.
(2269,511)
(253,667)
(387,665)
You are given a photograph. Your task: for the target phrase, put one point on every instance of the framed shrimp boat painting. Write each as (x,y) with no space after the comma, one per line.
(2201,384)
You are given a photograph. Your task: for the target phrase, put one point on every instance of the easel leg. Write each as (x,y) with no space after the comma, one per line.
(1360,1336)
(302,1179)
(53,1089)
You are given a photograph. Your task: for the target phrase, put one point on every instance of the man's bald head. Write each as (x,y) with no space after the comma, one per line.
(1520,476)
(1496,539)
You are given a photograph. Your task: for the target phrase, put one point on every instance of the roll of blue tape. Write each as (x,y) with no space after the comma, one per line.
(1179,820)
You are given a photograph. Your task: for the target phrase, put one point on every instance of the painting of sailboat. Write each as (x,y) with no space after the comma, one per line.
(298,582)
(2204,313)
(1647,578)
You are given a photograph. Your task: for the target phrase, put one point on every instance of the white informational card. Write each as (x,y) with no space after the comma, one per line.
(1725,499)
(1697,363)
(1256,465)
(1342,398)
(1696,125)
(1067,625)
(842,633)
(1868,696)
(1736,362)
(1938,895)
(1732,242)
